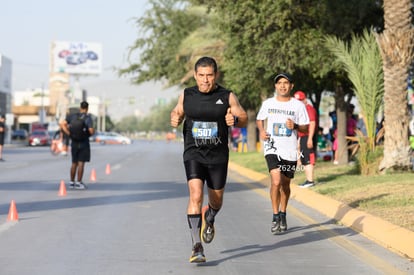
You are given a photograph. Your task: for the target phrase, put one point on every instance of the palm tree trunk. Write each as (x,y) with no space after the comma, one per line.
(396,46)
(396,119)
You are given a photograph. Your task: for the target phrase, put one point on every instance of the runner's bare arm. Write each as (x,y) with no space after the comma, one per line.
(177,114)
(64,126)
(236,112)
(290,124)
(262,132)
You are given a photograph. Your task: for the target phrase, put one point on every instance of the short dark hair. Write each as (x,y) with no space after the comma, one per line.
(206,61)
(84,105)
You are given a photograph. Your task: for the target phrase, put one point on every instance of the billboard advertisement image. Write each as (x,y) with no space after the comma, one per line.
(76,57)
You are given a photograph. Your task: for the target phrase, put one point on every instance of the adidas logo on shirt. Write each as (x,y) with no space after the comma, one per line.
(219,101)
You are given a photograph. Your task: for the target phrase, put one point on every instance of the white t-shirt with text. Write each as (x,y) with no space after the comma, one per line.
(283,141)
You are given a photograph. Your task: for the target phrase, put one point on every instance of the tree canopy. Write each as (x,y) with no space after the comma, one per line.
(161,31)
(253,41)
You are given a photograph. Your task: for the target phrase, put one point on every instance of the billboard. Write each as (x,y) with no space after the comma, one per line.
(76,57)
(5,74)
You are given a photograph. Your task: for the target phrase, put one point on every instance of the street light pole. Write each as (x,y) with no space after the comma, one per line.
(42,110)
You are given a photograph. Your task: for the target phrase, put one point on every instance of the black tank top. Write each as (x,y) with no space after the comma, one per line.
(205,130)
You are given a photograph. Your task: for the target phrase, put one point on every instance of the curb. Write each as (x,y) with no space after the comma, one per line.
(393,237)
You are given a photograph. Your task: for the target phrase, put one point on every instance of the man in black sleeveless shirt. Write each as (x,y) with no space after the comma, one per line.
(208,109)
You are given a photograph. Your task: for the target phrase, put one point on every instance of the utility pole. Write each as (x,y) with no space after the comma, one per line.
(42,109)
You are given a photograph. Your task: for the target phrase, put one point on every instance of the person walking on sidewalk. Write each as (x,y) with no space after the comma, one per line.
(285,116)
(79,127)
(307,141)
(208,110)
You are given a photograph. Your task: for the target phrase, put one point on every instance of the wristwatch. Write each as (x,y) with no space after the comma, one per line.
(236,120)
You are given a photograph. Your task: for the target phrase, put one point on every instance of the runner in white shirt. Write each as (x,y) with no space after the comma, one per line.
(285,115)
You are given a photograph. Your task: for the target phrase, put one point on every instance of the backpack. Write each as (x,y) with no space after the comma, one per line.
(78,128)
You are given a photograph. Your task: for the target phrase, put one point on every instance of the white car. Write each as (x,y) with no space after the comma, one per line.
(112,138)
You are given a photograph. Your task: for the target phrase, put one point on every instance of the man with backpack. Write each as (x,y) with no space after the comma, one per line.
(79,127)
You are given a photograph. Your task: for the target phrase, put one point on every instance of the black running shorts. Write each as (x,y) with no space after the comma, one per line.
(307,156)
(215,175)
(286,167)
(81,151)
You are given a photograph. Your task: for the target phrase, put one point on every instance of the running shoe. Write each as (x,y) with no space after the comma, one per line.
(307,184)
(71,185)
(283,224)
(207,229)
(197,256)
(80,186)
(275,229)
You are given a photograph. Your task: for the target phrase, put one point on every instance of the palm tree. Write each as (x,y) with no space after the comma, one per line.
(396,46)
(362,62)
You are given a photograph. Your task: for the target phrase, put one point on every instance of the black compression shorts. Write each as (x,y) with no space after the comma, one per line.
(215,175)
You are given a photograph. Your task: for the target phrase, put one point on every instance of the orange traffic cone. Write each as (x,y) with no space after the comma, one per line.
(108,169)
(62,189)
(13,215)
(93,175)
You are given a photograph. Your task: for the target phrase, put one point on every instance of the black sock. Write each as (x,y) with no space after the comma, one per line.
(194,222)
(282,213)
(275,217)
(211,214)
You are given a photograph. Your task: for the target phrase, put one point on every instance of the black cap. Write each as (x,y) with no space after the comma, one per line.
(284,75)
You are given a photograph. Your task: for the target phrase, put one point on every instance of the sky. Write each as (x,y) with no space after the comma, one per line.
(27,29)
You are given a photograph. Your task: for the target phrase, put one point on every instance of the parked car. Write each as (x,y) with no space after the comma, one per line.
(112,138)
(39,138)
(19,134)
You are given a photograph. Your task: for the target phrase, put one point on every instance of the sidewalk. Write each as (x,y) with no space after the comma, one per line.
(393,237)
(15,144)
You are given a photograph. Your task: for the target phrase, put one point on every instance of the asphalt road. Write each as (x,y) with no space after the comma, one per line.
(133,221)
